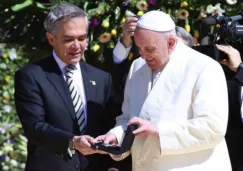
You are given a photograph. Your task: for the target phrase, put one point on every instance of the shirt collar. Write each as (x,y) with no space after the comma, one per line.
(61,64)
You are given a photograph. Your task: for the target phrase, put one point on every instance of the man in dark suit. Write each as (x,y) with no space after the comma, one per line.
(63,103)
(234,133)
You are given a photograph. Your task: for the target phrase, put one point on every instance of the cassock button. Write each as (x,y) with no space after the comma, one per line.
(155,159)
(77,166)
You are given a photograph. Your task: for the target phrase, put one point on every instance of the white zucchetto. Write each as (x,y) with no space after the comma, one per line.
(156,21)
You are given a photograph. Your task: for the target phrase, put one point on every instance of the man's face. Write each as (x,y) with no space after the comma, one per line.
(153,48)
(69,41)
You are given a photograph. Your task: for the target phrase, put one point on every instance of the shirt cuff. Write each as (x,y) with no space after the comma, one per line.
(120,53)
(119,133)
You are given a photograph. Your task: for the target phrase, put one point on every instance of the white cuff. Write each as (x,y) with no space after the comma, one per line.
(120,53)
(119,133)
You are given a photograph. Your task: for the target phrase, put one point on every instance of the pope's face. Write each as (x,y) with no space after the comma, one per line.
(153,47)
(69,41)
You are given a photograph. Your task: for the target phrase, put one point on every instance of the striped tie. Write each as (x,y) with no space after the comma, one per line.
(75,96)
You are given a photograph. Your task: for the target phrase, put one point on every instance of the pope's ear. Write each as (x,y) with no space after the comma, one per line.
(171,42)
(50,38)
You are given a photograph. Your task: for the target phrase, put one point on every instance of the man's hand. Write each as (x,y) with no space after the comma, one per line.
(128,31)
(234,57)
(109,138)
(83,145)
(145,127)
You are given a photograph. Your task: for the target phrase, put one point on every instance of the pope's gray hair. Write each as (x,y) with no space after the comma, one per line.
(168,34)
(61,12)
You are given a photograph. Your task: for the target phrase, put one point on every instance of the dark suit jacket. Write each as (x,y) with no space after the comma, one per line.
(234,134)
(45,109)
(120,72)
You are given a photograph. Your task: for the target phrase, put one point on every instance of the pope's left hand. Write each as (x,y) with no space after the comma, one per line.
(145,127)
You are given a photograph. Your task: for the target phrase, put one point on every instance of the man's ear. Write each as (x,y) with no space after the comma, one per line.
(171,43)
(50,38)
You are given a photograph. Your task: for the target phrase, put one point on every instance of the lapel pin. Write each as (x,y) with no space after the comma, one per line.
(93,82)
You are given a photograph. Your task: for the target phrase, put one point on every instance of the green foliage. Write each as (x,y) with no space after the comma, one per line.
(12,142)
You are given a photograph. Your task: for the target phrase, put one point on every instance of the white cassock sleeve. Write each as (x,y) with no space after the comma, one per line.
(120,53)
(122,120)
(210,116)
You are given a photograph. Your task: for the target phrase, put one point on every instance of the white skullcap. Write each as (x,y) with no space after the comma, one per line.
(156,21)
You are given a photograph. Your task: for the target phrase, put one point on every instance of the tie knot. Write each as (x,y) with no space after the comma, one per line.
(69,69)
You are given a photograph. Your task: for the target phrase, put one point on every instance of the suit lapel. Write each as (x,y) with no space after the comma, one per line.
(86,81)
(54,75)
(88,88)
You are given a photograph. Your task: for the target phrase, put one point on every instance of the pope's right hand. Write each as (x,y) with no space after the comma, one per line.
(109,138)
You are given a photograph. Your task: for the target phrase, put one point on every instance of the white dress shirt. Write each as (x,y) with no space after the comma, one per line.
(77,78)
(120,53)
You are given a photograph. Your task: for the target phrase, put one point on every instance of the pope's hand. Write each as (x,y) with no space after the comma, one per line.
(109,138)
(145,127)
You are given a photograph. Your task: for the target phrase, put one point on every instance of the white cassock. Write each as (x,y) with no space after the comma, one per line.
(188,104)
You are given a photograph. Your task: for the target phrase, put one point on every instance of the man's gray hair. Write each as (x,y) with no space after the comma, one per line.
(182,33)
(61,12)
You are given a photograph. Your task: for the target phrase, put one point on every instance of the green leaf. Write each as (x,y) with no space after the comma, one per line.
(21,147)
(111,45)
(129,13)
(39,5)
(23,143)
(86,6)
(106,20)
(10,19)
(117,13)
(22,138)
(169,11)
(21,6)
(101,8)
(92,12)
